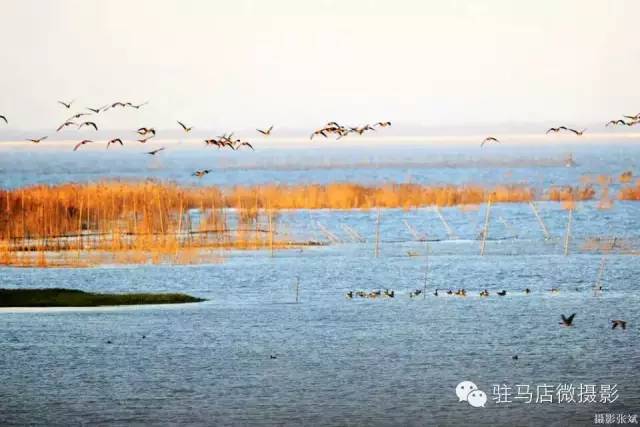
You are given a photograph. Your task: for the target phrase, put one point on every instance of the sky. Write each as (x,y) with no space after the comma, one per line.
(298,64)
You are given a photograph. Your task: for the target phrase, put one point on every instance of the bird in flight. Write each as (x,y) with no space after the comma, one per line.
(4,118)
(36,141)
(81,143)
(555,130)
(577,132)
(183,126)
(241,144)
(144,131)
(488,139)
(67,105)
(567,321)
(616,122)
(266,132)
(636,117)
(129,104)
(77,116)
(95,126)
(154,152)
(621,323)
(201,173)
(97,110)
(318,132)
(383,124)
(114,105)
(65,124)
(114,141)
(143,140)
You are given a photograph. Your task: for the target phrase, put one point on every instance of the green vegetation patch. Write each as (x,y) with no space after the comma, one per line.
(57,297)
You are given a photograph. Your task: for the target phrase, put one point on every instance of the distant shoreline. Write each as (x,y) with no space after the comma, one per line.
(304,141)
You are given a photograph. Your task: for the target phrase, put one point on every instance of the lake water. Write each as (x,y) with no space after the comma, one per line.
(340,361)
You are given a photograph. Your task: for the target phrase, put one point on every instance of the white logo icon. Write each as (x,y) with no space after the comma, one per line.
(468,392)
(477,398)
(464,388)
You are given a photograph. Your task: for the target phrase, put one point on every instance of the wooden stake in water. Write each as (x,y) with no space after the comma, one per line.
(603,262)
(485,230)
(426,272)
(567,237)
(271,231)
(377,251)
(450,232)
(542,225)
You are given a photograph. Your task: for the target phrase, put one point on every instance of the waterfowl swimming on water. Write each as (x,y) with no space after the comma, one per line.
(618,322)
(350,294)
(502,293)
(527,291)
(389,293)
(415,293)
(484,293)
(435,292)
(554,290)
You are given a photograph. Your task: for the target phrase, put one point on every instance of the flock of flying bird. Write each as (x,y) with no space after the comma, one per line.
(631,121)
(228,141)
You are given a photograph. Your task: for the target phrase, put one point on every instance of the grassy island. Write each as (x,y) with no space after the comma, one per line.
(57,297)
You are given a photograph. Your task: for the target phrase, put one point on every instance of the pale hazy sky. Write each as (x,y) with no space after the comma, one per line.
(297,64)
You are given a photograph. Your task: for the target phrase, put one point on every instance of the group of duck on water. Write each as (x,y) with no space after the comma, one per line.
(387,293)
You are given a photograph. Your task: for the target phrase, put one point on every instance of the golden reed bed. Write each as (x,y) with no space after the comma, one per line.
(153,221)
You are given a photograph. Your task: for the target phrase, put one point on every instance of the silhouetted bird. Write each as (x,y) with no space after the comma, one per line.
(186,129)
(567,321)
(577,132)
(81,143)
(266,132)
(616,323)
(114,141)
(5,119)
(65,124)
(36,141)
(201,173)
(95,126)
(488,139)
(246,144)
(67,105)
(154,152)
